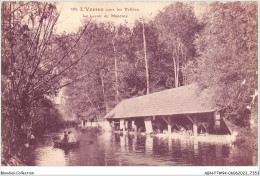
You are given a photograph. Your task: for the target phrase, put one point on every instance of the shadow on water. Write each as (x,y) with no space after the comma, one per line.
(108,149)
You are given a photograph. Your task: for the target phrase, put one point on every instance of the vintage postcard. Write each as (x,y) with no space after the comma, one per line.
(129,84)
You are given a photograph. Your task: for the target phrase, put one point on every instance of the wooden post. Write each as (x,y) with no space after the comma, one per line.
(133,125)
(126,125)
(195,124)
(148,124)
(122,124)
(216,120)
(195,130)
(209,125)
(195,127)
(112,125)
(169,125)
(82,123)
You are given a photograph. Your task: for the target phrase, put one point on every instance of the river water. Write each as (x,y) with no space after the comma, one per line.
(109,149)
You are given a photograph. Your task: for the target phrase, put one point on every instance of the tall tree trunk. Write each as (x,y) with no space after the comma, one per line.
(184,77)
(176,70)
(146,62)
(183,67)
(103,90)
(184,74)
(116,73)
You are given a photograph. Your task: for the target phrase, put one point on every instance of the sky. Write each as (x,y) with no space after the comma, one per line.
(70,18)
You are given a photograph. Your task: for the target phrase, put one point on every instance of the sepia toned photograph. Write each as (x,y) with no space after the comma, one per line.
(129,83)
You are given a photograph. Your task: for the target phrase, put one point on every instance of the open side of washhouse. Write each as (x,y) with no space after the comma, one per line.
(186,107)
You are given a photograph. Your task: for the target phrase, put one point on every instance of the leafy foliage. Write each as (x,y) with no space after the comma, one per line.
(34,62)
(177,26)
(227,61)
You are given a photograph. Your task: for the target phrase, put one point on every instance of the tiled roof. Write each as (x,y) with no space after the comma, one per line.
(187,99)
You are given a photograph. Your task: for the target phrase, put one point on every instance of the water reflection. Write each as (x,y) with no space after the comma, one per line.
(108,149)
(149,145)
(49,156)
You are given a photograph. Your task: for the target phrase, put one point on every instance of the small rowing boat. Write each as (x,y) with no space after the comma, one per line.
(59,144)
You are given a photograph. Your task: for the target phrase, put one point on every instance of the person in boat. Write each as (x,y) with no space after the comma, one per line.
(65,137)
(71,137)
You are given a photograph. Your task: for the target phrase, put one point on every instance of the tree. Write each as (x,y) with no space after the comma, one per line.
(93,94)
(146,61)
(143,44)
(116,68)
(33,66)
(227,61)
(177,27)
(121,36)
